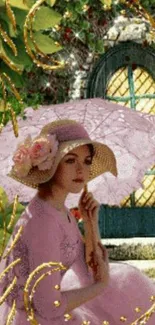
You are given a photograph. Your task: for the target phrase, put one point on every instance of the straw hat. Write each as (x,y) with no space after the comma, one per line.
(36,161)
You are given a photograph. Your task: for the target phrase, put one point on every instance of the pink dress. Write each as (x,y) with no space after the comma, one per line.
(47,236)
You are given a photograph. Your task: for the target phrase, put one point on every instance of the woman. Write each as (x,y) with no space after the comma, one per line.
(62,160)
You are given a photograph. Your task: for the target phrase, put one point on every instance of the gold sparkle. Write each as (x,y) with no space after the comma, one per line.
(57,303)
(57,27)
(85,7)
(137,309)
(67,14)
(105,322)
(67,317)
(86,322)
(123,319)
(57,287)
(152,298)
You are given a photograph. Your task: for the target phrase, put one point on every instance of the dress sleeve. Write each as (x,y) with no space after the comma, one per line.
(43,242)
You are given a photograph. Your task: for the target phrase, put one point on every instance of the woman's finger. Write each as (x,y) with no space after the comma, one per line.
(82,196)
(91,205)
(87,196)
(88,199)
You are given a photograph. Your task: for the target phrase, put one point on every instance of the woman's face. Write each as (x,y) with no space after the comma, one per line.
(75,165)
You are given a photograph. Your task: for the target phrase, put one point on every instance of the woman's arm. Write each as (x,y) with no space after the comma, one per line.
(77,297)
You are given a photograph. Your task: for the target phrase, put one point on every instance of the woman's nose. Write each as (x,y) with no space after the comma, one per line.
(79,167)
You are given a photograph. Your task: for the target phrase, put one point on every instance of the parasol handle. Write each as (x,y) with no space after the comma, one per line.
(86,188)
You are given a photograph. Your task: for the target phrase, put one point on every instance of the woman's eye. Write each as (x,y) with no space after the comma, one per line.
(70,160)
(88,162)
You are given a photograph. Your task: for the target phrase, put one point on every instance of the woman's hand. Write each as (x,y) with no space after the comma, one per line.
(88,206)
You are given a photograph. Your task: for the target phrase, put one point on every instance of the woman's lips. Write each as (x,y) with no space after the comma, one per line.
(78,180)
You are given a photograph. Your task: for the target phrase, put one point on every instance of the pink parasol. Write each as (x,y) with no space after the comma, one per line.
(130,134)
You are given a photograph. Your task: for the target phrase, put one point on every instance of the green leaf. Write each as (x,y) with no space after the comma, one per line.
(78,7)
(7,52)
(100,46)
(3,197)
(46,18)
(51,2)
(30,3)
(1,238)
(8,213)
(45,43)
(6,24)
(19,4)
(2,3)
(20,16)
(85,25)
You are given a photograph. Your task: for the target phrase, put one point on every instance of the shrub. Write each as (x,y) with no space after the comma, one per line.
(132,252)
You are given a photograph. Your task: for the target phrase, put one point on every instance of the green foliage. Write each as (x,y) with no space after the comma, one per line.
(18,108)
(5,215)
(150,273)
(6,212)
(132,252)
(3,198)
(1,238)
(45,43)
(90,24)
(45,18)
(149,5)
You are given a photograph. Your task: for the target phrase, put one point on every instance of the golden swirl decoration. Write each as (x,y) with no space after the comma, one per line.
(28,298)
(4,99)
(8,40)
(12,86)
(37,48)
(17,236)
(10,63)
(3,79)
(15,203)
(11,314)
(10,14)
(136,5)
(10,266)
(4,228)
(14,120)
(28,22)
(143,319)
(3,92)
(8,290)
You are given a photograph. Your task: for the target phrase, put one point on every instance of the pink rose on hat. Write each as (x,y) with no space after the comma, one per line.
(40,152)
(22,158)
(43,150)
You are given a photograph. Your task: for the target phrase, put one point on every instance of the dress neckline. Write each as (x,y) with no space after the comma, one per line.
(50,206)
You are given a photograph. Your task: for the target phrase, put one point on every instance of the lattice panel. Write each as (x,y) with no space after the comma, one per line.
(118,85)
(143,85)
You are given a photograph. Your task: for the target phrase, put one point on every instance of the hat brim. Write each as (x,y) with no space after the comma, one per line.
(103,161)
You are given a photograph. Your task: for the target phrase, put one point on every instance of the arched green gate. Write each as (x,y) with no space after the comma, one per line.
(126,74)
